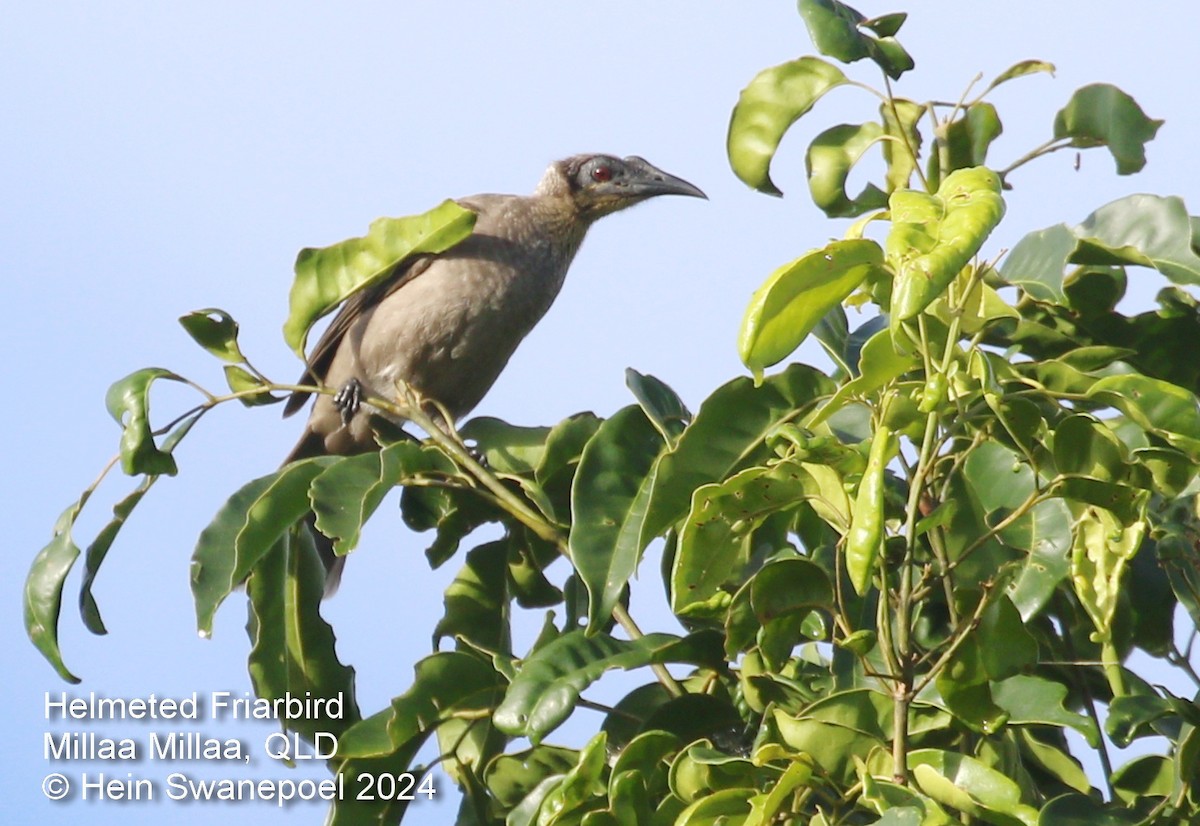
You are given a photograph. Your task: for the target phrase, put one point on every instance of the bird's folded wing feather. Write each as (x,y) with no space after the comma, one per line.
(322,354)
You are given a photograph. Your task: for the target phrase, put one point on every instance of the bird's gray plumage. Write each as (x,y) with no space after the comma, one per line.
(447,324)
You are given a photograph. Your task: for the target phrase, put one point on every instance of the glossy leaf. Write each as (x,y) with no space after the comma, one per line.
(477,603)
(716,539)
(245,530)
(579,786)
(293,647)
(327,276)
(42,596)
(1147,230)
(964,783)
(608,504)
(794,299)
(128,402)
(547,686)
(879,362)
(346,492)
(841,726)
(215,331)
(934,236)
(831,156)
(660,403)
(1021,69)
(253,389)
(1102,549)
(838,31)
(728,806)
(774,100)
(1102,115)
(98,550)
(1032,700)
(1162,408)
(1081,810)
(1038,262)
(511,777)
(900,117)
(964,687)
(555,472)
(1149,776)
(728,434)
(966,139)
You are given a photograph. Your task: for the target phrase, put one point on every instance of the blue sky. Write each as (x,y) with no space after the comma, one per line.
(159,158)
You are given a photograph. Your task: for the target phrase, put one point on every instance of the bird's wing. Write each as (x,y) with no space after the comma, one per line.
(322,354)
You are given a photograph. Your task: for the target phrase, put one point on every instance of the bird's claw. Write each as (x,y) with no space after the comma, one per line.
(348,399)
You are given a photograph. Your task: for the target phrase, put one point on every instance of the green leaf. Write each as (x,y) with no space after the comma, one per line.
(1101,550)
(794,299)
(98,550)
(1103,115)
(766,808)
(1150,776)
(511,777)
(934,236)
(965,688)
(1025,67)
(728,806)
(783,593)
(775,99)
(841,726)
(545,690)
(900,118)
(1162,408)
(1081,810)
(1038,261)
(578,788)
(608,505)
(968,785)
(727,435)
(506,448)
(1085,447)
(215,331)
(477,601)
(660,403)
(42,597)
(128,402)
(648,754)
(716,540)
(879,362)
(327,276)
(346,492)
(838,31)
(966,139)
(246,528)
(555,474)
(241,380)
(1058,762)
(452,512)
(293,647)
(830,157)
(1146,230)
(445,684)
(1031,700)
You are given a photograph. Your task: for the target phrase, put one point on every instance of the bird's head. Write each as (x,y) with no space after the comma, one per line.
(602,184)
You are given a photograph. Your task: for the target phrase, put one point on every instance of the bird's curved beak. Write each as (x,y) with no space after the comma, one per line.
(648,180)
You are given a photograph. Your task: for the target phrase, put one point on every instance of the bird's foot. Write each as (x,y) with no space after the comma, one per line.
(348,399)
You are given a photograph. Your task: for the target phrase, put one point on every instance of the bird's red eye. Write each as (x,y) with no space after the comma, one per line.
(601,174)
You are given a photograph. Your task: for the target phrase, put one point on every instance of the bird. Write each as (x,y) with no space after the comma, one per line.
(446,324)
